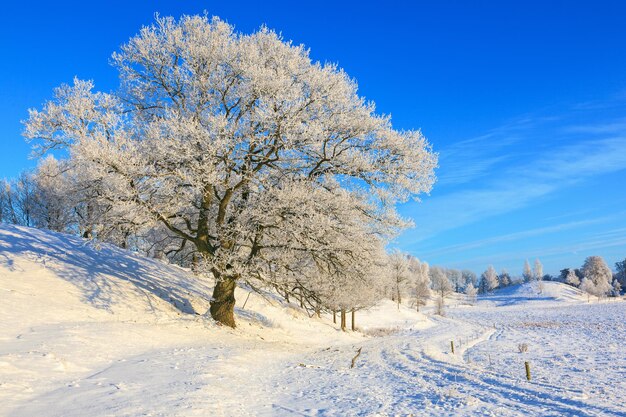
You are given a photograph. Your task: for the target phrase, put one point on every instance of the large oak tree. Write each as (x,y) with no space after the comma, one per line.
(242,147)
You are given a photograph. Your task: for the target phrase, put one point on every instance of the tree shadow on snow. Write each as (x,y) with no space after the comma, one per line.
(99,273)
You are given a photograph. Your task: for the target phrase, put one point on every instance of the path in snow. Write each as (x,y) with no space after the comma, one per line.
(406,373)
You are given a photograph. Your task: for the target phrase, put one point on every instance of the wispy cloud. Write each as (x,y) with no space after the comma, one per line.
(582,160)
(615,127)
(470,159)
(532,168)
(554,257)
(511,237)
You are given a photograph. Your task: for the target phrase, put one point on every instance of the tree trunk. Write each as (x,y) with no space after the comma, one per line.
(223,302)
(353,323)
(397,295)
(343,319)
(334,316)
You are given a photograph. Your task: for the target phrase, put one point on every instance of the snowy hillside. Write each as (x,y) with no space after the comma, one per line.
(544,292)
(102,332)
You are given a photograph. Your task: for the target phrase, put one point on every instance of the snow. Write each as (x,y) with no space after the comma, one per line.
(103,332)
(386,315)
(544,293)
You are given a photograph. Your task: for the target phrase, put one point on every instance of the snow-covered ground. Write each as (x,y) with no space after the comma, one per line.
(102,332)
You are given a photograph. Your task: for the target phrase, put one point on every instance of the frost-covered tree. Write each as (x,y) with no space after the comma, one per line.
(348,290)
(571,278)
(587,286)
(538,270)
(456,279)
(242,148)
(527,273)
(2,201)
(470,292)
(54,206)
(598,272)
(490,278)
(620,268)
(469,277)
(68,203)
(399,275)
(5,202)
(39,198)
(504,279)
(420,281)
(21,200)
(440,282)
(616,288)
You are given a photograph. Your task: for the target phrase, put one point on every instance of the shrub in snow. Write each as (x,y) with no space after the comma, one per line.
(382,331)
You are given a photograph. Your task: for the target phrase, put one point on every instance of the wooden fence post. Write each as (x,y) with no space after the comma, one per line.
(527,365)
(358,353)
(452,346)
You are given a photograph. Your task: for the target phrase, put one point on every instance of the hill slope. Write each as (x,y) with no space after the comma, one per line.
(70,310)
(103,332)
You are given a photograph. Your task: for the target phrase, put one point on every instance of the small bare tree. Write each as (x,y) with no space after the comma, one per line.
(420,282)
(442,286)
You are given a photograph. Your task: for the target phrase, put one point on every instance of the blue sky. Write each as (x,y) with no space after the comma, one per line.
(524,101)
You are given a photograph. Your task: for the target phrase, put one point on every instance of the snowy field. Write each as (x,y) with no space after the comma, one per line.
(101,332)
